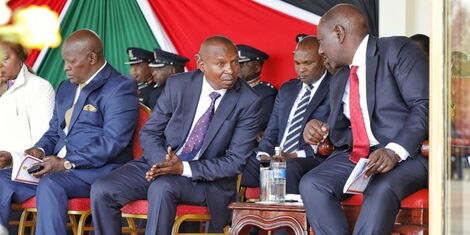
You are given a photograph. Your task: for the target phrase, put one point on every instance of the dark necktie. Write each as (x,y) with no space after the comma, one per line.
(295,127)
(360,139)
(196,138)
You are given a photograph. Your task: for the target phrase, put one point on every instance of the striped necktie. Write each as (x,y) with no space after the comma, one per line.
(295,128)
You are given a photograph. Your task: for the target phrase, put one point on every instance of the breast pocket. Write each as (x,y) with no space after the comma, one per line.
(91,118)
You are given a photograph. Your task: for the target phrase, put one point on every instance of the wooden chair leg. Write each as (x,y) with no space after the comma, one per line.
(82,223)
(22,223)
(73,224)
(132,225)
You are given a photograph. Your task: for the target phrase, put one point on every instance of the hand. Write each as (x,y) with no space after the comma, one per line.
(288,155)
(171,166)
(315,131)
(5,159)
(35,152)
(51,164)
(264,157)
(381,161)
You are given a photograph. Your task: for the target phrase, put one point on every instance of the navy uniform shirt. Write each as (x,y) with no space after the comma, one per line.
(268,94)
(148,93)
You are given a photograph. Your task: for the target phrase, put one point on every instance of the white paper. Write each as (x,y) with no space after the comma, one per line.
(357,181)
(21,164)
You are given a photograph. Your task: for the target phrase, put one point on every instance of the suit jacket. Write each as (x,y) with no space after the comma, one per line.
(101,126)
(268,95)
(318,108)
(397,95)
(227,144)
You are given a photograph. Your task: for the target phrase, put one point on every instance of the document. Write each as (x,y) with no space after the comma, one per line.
(21,164)
(357,181)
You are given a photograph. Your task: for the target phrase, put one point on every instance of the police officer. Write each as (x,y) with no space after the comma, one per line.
(251,63)
(163,65)
(139,60)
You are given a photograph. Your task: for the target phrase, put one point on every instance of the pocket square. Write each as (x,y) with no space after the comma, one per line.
(90,108)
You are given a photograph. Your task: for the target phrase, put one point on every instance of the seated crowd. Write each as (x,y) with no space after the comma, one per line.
(367,95)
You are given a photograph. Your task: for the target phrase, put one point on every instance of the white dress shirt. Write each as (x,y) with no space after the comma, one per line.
(63,151)
(316,84)
(204,103)
(359,60)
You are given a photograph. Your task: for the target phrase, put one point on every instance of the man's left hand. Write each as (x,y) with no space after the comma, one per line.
(171,166)
(288,155)
(51,164)
(381,161)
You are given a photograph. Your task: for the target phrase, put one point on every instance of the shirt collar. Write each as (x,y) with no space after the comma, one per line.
(359,58)
(316,83)
(207,88)
(94,75)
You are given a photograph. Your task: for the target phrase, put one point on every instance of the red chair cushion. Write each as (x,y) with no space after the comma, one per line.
(252,193)
(418,199)
(138,207)
(75,204)
(191,209)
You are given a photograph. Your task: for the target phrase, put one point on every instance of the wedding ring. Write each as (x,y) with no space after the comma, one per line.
(381,166)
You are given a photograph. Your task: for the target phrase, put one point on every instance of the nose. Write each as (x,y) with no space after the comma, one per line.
(320,51)
(66,67)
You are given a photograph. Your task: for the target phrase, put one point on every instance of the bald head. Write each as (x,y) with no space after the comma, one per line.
(82,52)
(218,60)
(340,32)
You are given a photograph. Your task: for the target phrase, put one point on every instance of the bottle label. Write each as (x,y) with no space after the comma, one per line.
(280,173)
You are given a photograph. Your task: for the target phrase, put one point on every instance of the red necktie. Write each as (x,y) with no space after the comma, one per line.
(360,139)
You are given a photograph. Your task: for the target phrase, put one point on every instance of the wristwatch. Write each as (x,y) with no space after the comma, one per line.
(68,165)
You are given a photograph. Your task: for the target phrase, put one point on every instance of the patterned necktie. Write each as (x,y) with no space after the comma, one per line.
(295,127)
(360,139)
(196,138)
(69,112)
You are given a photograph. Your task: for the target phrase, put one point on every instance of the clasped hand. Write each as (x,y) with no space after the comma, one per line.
(171,166)
(315,131)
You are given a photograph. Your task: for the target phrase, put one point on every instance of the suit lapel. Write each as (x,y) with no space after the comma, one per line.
(317,98)
(97,82)
(371,69)
(225,107)
(190,102)
(338,84)
(286,107)
(66,101)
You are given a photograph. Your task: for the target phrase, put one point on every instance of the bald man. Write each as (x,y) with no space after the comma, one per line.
(298,101)
(196,142)
(379,110)
(89,135)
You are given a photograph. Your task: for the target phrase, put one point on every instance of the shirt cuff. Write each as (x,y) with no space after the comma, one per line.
(259,154)
(187,170)
(314,147)
(301,154)
(399,150)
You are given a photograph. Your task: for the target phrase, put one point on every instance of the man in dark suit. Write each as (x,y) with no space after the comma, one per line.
(379,109)
(298,101)
(251,65)
(210,119)
(89,134)
(139,60)
(163,65)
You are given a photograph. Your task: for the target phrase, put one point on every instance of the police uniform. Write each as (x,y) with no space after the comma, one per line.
(265,89)
(161,59)
(144,89)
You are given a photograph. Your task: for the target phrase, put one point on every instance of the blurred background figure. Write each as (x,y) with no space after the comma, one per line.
(140,71)
(251,64)
(163,65)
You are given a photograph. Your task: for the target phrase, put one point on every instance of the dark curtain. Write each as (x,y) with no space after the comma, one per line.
(319,7)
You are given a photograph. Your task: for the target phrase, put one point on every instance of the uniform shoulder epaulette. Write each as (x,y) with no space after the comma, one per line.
(267,84)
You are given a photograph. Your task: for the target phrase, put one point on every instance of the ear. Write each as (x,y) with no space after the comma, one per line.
(92,58)
(258,67)
(199,62)
(172,70)
(340,33)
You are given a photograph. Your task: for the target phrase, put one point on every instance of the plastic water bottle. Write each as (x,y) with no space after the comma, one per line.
(278,185)
(265,177)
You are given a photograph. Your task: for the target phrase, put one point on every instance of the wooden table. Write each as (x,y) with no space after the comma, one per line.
(269,217)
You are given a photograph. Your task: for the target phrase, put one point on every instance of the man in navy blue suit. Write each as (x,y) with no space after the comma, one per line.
(89,134)
(298,101)
(379,109)
(196,142)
